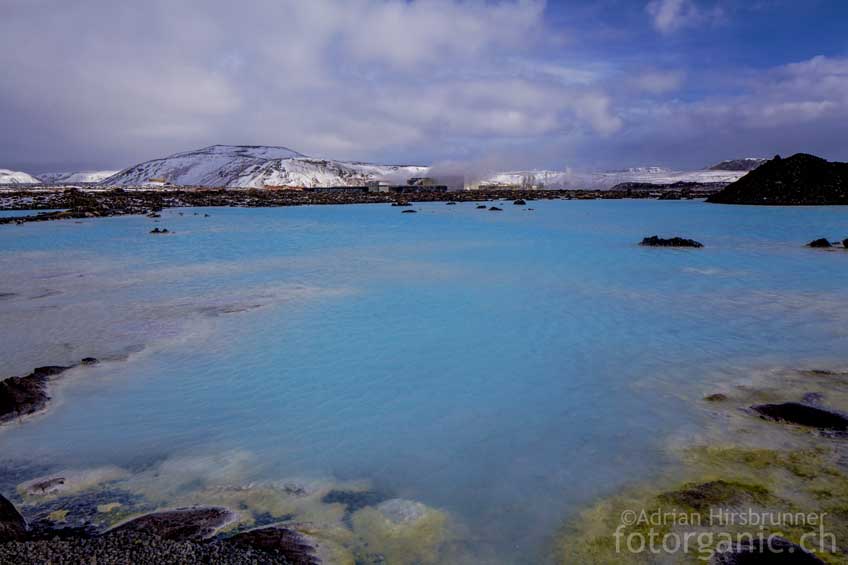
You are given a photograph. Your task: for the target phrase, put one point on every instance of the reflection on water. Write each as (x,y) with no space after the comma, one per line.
(504,369)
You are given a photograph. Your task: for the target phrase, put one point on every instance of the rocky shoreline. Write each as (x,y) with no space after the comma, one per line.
(74,203)
(180,536)
(773,445)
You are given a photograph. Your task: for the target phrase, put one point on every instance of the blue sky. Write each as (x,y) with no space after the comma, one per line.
(488,84)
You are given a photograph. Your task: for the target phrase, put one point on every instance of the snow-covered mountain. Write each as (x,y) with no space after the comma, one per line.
(608,179)
(249,166)
(16,177)
(746,164)
(81,177)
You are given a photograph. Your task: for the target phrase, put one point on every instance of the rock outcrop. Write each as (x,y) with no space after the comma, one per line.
(656,241)
(20,396)
(12,525)
(798,180)
(802,415)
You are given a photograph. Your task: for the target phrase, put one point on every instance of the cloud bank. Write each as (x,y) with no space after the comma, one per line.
(107,84)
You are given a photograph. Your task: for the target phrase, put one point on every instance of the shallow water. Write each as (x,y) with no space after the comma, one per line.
(504,367)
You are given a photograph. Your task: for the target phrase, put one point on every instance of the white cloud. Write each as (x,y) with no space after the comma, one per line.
(337,78)
(672,15)
(658,82)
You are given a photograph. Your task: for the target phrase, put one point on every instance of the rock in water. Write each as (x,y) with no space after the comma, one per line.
(409,212)
(20,396)
(183,524)
(495,209)
(655,241)
(821,242)
(519,202)
(277,541)
(12,524)
(769,551)
(802,415)
(845,243)
(800,179)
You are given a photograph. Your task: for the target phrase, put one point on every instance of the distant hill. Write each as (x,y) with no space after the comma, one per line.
(798,180)
(16,177)
(254,166)
(78,177)
(747,164)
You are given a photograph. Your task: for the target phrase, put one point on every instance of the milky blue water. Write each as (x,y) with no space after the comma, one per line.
(505,367)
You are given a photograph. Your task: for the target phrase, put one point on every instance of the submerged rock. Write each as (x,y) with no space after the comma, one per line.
(182,524)
(495,209)
(20,396)
(409,212)
(820,243)
(157,230)
(277,541)
(656,241)
(353,500)
(12,525)
(802,415)
(481,207)
(450,203)
(716,397)
(89,361)
(519,202)
(701,496)
(769,551)
(402,531)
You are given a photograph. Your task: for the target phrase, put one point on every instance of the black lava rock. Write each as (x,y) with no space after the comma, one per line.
(24,395)
(655,241)
(821,242)
(797,180)
(802,415)
(12,525)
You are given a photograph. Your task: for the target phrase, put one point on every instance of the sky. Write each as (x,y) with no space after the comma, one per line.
(511,84)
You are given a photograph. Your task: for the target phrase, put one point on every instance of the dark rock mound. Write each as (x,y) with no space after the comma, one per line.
(481,207)
(821,242)
(519,202)
(89,361)
(716,397)
(701,496)
(12,525)
(279,542)
(774,550)
(409,212)
(183,524)
(656,241)
(845,243)
(802,415)
(798,180)
(24,395)
(495,209)
(450,203)
(157,230)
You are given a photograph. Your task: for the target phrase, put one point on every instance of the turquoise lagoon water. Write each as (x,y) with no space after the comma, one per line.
(506,368)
